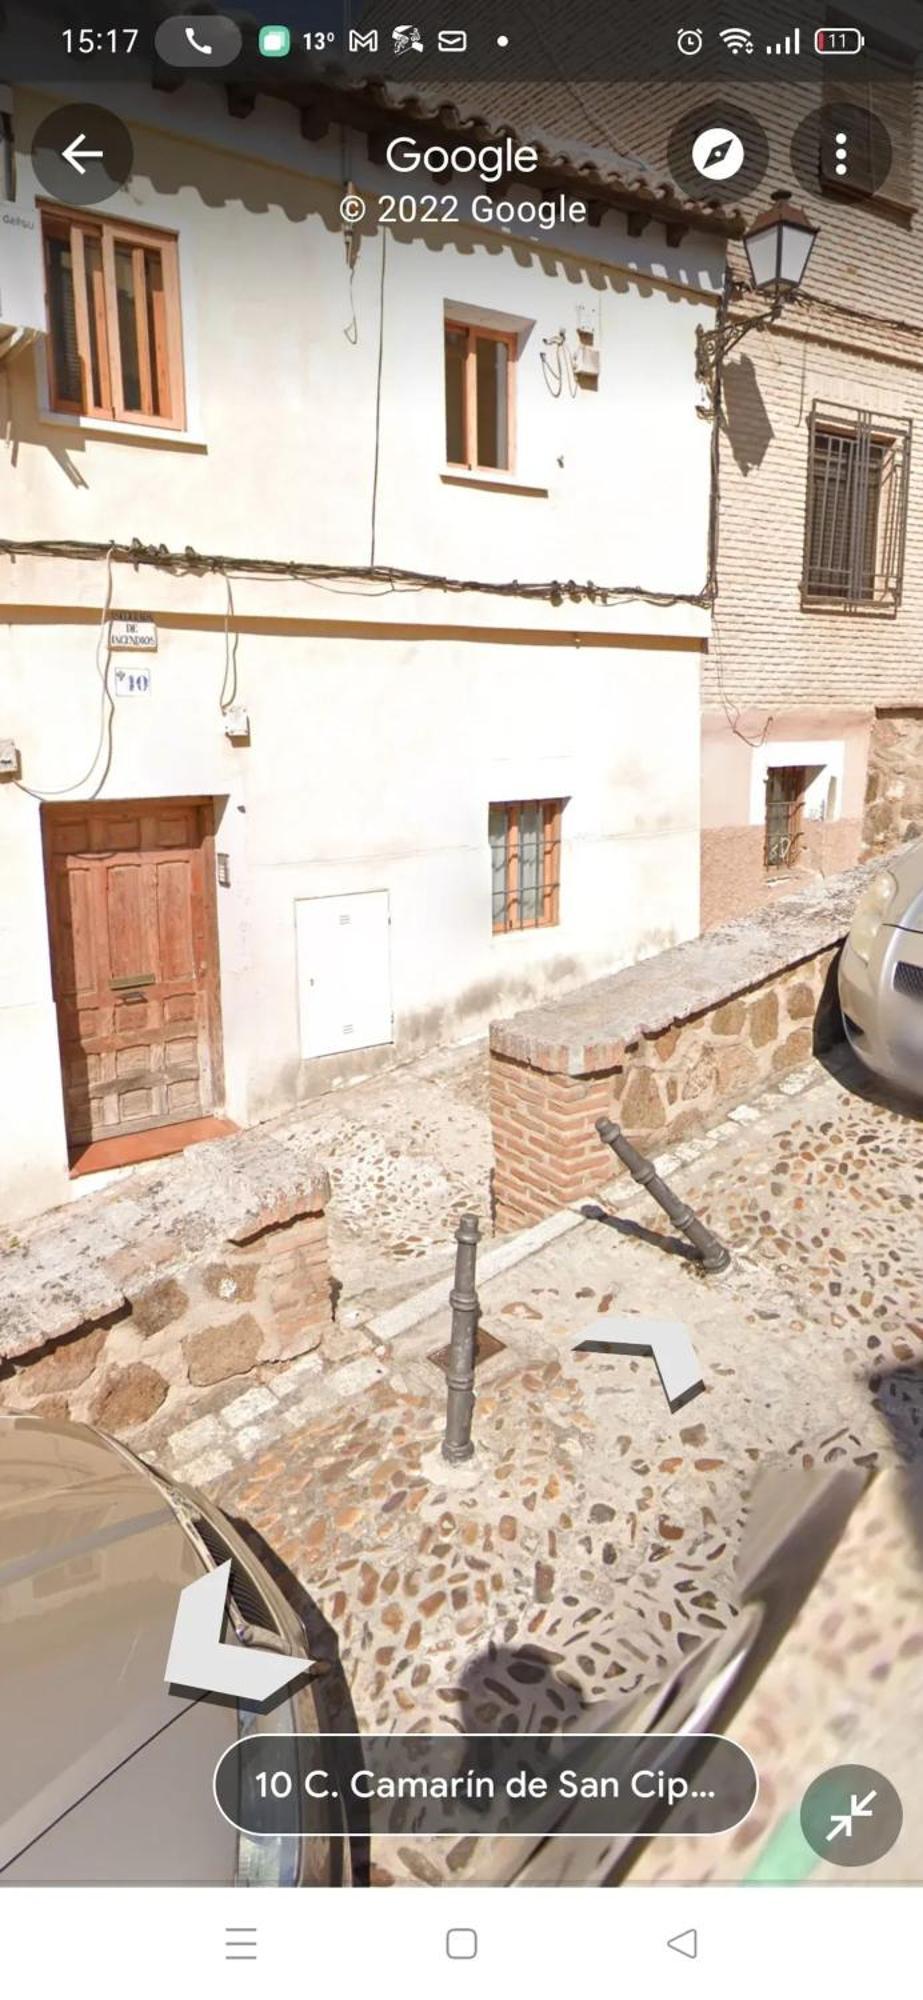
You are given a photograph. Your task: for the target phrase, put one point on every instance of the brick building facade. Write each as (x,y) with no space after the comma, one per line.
(812,704)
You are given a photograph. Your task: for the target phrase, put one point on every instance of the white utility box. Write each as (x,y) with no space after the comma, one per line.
(22,270)
(586,364)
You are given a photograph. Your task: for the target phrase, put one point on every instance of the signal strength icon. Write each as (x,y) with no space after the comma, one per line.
(790,47)
(738,40)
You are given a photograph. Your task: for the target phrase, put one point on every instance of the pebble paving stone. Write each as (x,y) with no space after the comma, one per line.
(407,1153)
(596,1550)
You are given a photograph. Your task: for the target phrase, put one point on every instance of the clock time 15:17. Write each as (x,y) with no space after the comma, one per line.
(94,41)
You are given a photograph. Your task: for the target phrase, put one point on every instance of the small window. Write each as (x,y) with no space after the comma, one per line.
(785,789)
(114,343)
(480,366)
(856,514)
(525,858)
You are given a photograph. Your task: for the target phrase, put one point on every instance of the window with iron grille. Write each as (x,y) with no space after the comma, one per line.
(785,789)
(525,859)
(856,512)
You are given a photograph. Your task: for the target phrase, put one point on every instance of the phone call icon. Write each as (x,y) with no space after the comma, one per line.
(198,41)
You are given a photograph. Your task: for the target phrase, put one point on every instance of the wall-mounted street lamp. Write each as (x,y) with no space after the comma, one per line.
(778,245)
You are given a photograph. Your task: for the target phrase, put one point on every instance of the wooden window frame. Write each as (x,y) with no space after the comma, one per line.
(551,811)
(76,227)
(473,333)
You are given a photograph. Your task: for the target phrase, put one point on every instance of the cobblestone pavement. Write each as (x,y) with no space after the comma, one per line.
(407,1152)
(596,1549)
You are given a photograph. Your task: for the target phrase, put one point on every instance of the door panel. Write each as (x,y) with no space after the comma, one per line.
(344,972)
(134,964)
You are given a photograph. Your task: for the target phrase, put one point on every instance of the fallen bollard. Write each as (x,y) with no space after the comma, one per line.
(712,1254)
(463,1299)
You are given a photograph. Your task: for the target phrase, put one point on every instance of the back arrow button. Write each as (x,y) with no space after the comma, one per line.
(78,153)
(82,153)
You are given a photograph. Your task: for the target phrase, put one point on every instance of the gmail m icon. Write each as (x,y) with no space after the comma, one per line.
(357,40)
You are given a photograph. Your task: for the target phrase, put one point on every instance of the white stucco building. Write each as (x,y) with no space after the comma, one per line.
(336,818)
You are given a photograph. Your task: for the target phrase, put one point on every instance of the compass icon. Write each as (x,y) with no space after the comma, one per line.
(718,153)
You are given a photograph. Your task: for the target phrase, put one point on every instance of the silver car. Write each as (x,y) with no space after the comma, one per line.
(881,973)
(105,1772)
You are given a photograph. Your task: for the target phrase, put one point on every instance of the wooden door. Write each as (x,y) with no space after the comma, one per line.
(134,963)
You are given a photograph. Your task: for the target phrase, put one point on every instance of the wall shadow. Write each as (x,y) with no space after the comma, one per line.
(746,418)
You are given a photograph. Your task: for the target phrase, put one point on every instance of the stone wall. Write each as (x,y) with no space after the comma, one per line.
(134,1302)
(894,788)
(664,1048)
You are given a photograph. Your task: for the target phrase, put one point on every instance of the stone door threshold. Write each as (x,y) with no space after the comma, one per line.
(130,1149)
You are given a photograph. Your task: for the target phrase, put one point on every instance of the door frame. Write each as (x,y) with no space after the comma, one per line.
(53,810)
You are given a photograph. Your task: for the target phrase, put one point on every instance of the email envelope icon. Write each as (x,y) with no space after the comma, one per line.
(452,41)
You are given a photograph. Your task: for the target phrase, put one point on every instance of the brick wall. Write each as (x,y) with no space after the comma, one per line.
(855,338)
(136,1302)
(664,1048)
(766,651)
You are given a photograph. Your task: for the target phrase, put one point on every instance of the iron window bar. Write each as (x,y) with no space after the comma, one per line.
(856,509)
(785,789)
(525,847)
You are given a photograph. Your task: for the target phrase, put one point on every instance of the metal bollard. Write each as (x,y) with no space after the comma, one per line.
(463,1299)
(712,1254)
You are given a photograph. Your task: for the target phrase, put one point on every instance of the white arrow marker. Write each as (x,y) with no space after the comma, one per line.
(842,1822)
(75,158)
(199,1659)
(669,1343)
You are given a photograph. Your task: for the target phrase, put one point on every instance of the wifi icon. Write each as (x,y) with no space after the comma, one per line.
(738,40)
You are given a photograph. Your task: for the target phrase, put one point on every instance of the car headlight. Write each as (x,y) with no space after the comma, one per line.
(870,913)
(266,1860)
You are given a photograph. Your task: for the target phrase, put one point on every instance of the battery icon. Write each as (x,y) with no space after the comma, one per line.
(839,41)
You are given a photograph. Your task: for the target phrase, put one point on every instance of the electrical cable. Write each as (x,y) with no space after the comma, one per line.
(193,562)
(722,322)
(555,377)
(832,306)
(107,708)
(378,380)
(227,699)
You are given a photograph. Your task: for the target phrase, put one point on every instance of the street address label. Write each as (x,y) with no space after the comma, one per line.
(133,632)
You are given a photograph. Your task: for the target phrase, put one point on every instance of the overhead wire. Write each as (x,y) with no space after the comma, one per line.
(107,708)
(194,562)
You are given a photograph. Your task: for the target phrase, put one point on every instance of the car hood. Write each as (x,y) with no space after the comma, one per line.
(92,1560)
